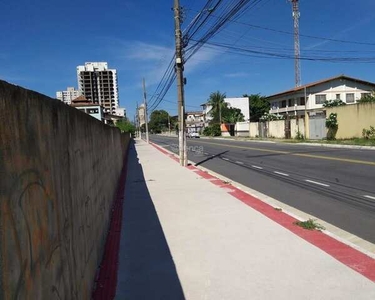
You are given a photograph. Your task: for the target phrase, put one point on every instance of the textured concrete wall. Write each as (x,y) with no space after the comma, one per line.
(352,119)
(297,125)
(254,129)
(59,170)
(242,129)
(276,129)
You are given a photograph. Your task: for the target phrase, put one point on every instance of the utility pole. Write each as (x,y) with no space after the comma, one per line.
(169,125)
(297,53)
(180,84)
(145,109)
(137,122)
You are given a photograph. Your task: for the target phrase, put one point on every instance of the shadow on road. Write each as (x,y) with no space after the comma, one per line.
(211,157)
(146,269)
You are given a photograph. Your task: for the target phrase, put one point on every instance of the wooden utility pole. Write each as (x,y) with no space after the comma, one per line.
(138,130)
(169,125)
(145,109)
(179,66)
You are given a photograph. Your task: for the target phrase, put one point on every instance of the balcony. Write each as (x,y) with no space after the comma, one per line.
(290,109)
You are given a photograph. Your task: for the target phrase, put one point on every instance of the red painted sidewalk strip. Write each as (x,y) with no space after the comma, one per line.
(106,279)
(347,255)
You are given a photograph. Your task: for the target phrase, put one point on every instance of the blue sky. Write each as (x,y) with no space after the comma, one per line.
(43,42)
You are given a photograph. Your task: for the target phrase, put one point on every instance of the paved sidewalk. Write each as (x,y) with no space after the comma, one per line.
(185,238)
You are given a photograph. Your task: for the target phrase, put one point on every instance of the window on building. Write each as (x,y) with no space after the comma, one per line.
(283,103)
(92,111)
(350,98)
(290,102)
(365,95)
(338,96)
(302,101)
(319,99)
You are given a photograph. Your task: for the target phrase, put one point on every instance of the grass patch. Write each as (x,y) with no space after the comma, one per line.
(355,142)
(310,224)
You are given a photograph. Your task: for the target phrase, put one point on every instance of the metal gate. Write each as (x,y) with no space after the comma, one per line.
(262,127)
(317,127)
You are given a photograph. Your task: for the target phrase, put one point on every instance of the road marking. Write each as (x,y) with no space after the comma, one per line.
(227,159)
(284,174)
(256,167)
(205,153)
(318,183)
(348,160)
(370,197)
(239,162)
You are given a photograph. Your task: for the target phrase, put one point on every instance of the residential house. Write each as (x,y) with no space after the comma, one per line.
(310,97)
(195,121)
(307,101)
(86,106)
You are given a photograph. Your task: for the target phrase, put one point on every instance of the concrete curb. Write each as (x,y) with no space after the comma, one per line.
(335,146)
(350,255)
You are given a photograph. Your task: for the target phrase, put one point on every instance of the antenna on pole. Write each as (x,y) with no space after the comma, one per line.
(297,53)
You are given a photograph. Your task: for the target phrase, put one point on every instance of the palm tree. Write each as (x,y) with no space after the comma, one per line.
(216,101)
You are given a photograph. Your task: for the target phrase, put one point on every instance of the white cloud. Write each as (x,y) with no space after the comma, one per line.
(148,52)
(151,60)
(202,57)
(236,75)
(340,33)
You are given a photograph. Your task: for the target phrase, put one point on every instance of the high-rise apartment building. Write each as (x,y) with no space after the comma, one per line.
(68,95)
(99,85)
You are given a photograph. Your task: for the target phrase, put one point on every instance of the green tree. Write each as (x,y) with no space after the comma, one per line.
(232,115)
(216,100)
(369,98)
(158,121)
(126,126)
(258,106)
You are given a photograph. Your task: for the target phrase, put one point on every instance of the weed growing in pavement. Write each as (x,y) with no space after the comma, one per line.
(278,209)
(310,224)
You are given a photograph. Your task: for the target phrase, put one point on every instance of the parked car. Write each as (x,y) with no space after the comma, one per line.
(193,135)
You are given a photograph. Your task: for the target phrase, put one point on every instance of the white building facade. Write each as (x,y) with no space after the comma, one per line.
(311,96)
(99,85)
(68,95)
(121,112)
(240,103)
(195,121)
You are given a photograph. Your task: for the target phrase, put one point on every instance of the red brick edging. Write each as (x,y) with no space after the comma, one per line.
(106,277)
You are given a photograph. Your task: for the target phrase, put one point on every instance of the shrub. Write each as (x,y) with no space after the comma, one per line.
(332,125)
(299,135)
(212,130)
(368,133)
(367,98)
(333,103)
(331,121)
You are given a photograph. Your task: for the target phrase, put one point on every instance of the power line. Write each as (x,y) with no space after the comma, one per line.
(292,33)
(264,54)
(228,10)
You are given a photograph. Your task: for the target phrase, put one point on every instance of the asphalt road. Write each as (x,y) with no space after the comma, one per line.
(334,184)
